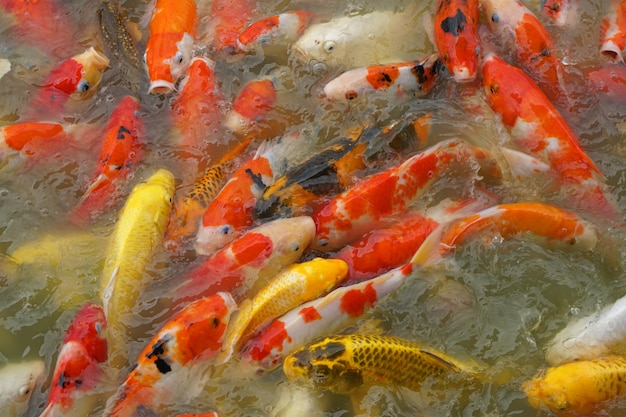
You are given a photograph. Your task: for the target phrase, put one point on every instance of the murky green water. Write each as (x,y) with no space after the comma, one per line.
(498,302)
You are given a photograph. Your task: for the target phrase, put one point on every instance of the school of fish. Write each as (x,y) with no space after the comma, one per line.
(233,208)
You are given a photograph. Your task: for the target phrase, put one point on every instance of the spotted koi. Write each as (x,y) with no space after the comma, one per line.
(613,31)
(285,26)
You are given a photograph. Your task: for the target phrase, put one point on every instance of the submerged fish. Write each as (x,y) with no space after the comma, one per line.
(613,31)
(561,12)
(79,371)
(345,363)
(579,388)
(286,26)
(17,382)
(33,138)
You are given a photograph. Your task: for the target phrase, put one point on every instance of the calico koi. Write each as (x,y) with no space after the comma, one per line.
(74,78)
(613,31)
(292,287)
(79,367)
(581,388)
(285,26)
(538,128)
(173,27)
(172,364)
(560,11)
(374,201)
(121,150)
(17,384)
(456,37)
(245,265)
(255,100)
(407,79)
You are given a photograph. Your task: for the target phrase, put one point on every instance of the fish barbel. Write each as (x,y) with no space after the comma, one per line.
(137,235)
(344,363)
(17,382)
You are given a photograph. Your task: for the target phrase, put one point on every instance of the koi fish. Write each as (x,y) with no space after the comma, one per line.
(79,366)
(295,285)
(137,235)
(173,29)
(578,388)
(245,265)
(408,79)
(456,37)
(538,128)
(285,26)
(608,80)
(169,366)
(74,78)
(345,363)
(255,100)
(199,415)
(590,337)
(32,138)
(613,31)
(380,37)
(371,203)
(230,213)
(560,11)
(121,150)
(230,18)
(533,45)
(17,383)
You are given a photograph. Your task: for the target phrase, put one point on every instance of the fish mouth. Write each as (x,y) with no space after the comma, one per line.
(161,87)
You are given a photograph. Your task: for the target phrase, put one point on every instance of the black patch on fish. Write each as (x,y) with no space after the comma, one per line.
(330,350)
(419,74)
(143,411)
(257,179)
(158,350)
(121,131)
(455,24)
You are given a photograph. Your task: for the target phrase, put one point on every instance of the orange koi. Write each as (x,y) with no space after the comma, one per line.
(173,29)
(584,388)
(121,149)
(288,26)
(456,37)
(613,31)
(373,202)
(560,11)
(407,79)
(230,18)
(538,128)
(534,47)
(253,103)
(76,78)
(182,350)
(79,366)
(31,138)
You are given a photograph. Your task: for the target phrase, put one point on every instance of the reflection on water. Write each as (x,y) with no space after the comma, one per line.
(498,302)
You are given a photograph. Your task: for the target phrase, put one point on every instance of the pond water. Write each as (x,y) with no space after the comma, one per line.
(498,302)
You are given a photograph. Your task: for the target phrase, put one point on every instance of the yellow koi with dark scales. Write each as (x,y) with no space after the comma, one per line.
(345,363)
(579,388)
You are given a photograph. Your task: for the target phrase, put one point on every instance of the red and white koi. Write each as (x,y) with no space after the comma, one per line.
(122,149)
(168,368)
(229,20)
(74,78)
(533,45)
(609,81)
(561,12)
(613,31)
(456,37)
(292,287)
(230,213)
(407,79)
(173,27)
(374,201)
(247,263)
(538,128)
(285,26)
(79,367)
(32,138)
(253,103)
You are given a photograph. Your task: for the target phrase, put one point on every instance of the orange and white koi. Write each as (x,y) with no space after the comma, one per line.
(292,287)
(538,128)
(456,37)
(407,79)
(613,31)
(168,368)
(122,149)
(230,18)
(533,45)
(255,100)
(582,388)
(32,138)
(79,367)
(247,263)
(230,213)
(74,78)
(561,12)
(590,337)
(173,27)
(285,26)
(374,201)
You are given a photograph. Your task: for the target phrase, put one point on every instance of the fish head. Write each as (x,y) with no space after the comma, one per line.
(322,366)
(290,237)
(320,45)
(500,86)
(17,382)
(89,330)
(167,57)
(93,64)
(540,394)
(211,238)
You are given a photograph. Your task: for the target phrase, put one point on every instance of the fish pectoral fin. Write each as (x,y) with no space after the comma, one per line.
(107,292)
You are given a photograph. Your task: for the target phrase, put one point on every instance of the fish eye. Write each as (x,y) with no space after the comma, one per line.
(322,242)
(225,230)
(179,57)
(329,46)
(446,57)
(494,88)
(495,18)
(82,87)
(216,322)
(23,391)
(98,327)
(295,247)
